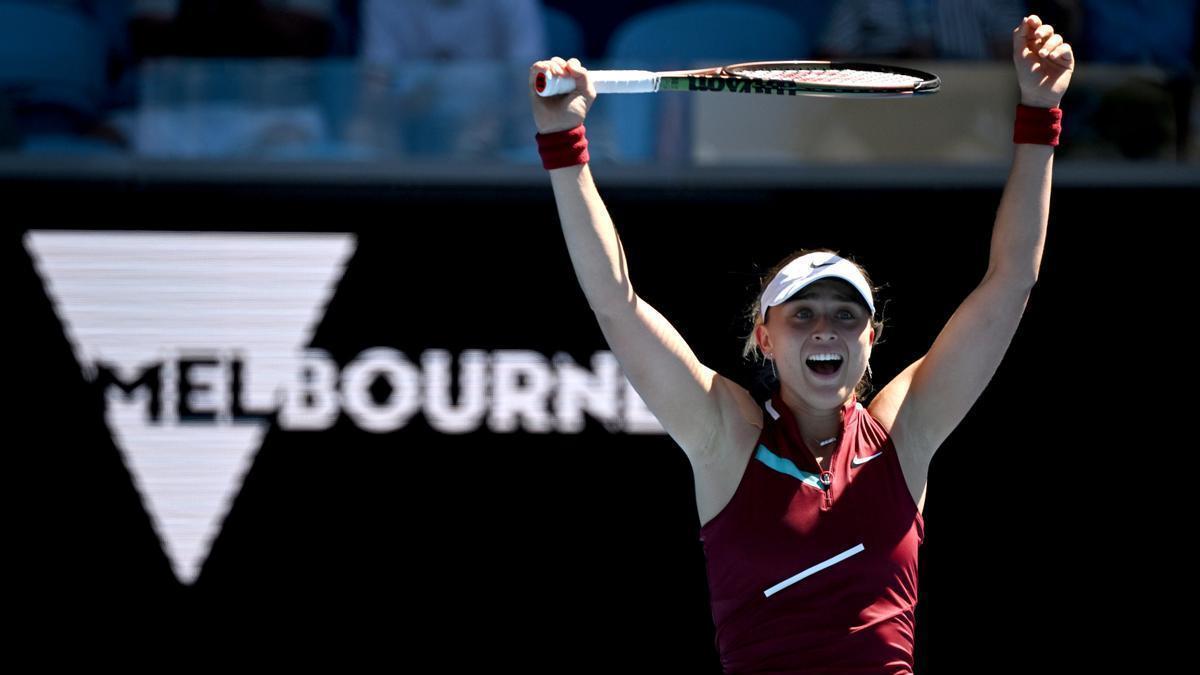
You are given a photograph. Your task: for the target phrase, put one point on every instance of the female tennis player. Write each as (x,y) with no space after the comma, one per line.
(810,504)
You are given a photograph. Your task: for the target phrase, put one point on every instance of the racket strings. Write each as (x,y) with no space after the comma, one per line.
(834,77)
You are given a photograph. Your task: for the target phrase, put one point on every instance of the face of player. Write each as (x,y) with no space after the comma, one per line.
(822,319)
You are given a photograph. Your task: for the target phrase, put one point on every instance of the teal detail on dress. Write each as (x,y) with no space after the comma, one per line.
(784,465)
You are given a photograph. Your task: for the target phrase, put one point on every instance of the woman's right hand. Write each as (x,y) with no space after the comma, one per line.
(564,111)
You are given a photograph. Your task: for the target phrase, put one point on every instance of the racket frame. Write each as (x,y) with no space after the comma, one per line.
(726,79)
(722,78)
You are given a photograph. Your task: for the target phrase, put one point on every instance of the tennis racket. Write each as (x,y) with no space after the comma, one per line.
(808,78)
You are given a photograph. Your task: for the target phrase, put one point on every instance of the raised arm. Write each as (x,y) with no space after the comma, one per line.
(686,396)
(1044,64)
(928,400)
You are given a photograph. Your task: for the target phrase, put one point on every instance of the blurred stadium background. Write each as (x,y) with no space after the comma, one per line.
(259,247)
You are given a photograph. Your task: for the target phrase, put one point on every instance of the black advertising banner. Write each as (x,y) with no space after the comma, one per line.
(387,415)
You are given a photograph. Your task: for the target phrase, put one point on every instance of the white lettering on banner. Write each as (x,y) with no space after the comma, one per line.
(441,414)
(312,402)
(361,373)
(199,339)
(506,390)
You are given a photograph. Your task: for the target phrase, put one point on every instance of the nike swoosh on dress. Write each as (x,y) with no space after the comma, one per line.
(857,460)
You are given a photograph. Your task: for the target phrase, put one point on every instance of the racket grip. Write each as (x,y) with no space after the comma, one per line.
(606,81)
(549,84)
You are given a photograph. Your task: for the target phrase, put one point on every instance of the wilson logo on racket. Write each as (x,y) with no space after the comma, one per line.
(742,86)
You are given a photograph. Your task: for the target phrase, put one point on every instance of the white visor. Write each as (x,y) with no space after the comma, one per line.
(808,269)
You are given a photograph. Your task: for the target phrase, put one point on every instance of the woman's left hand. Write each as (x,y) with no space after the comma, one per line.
(1044,63)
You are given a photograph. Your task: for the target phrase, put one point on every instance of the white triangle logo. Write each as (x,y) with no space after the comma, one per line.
(131,302)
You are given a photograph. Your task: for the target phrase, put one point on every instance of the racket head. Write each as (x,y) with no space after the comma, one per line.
(853,79)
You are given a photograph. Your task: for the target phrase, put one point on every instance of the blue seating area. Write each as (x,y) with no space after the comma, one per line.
(71,84)
(679,37)
(52,74)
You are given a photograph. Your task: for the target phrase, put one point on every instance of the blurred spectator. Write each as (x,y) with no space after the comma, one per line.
(222,98)
(977,30)
(812,16)
(448,30)
(921,29)
(234,28)
(600,20)
(1161,35)
(217,101)
(64,65)
(440,73)
(877,28)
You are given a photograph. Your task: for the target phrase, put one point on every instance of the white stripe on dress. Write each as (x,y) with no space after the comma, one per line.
(814,569)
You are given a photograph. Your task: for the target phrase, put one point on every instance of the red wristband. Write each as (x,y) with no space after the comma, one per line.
(563,148)
(1037,125)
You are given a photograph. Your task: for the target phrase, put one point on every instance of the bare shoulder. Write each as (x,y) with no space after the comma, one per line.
(911,449)
(718,472)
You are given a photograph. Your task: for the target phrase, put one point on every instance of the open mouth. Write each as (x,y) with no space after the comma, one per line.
(825,364)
